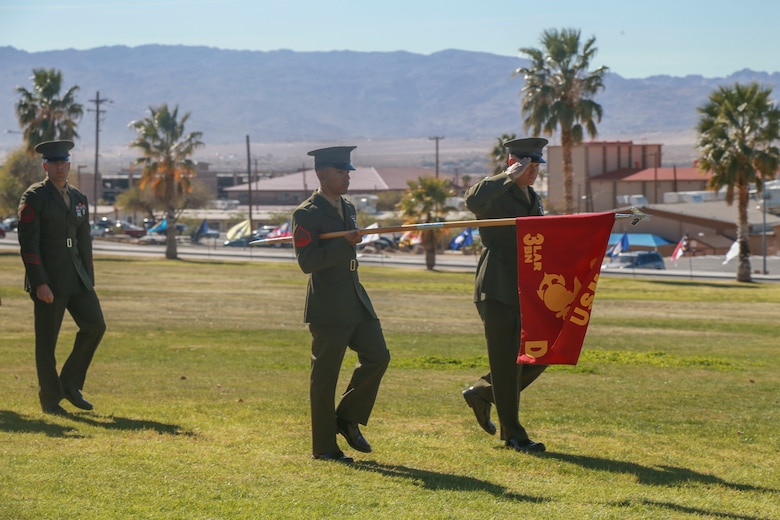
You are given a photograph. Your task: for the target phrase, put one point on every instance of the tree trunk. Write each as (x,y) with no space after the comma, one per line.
(429,245)
(171,252)
(170,242)
(743,265)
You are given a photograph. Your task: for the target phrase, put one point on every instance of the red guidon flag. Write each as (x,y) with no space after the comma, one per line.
(559,259)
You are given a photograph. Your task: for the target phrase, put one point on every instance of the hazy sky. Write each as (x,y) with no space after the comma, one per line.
(635,39)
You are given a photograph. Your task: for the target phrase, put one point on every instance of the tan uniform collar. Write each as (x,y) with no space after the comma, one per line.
(336,203)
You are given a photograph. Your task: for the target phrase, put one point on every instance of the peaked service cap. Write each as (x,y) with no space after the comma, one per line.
(55,150)
(335,156)
(527,147)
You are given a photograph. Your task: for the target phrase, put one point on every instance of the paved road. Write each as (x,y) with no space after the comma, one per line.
(699,267)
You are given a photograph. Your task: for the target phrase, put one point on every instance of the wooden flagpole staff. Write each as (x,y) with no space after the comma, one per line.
(635,214)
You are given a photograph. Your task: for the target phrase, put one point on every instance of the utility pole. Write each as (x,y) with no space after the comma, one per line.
(305,188)
(437,138)
(97,112)
(249,175)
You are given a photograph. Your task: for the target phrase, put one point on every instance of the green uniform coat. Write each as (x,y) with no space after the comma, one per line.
(56,249)
(55,242)
(340,315)
(331,264)
(498,303)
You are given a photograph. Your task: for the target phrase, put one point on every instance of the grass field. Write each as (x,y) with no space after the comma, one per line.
(201,394)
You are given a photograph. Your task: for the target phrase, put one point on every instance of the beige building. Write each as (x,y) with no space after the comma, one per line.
(294,188)
(610,174)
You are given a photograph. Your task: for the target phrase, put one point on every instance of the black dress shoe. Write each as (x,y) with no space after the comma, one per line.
(527,445)
(351,432)
(481,410)
(76,399)
(336,456)
(55,409)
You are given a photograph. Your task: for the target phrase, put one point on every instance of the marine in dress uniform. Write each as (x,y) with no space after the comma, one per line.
(56,248)
(507,194)
(337,309)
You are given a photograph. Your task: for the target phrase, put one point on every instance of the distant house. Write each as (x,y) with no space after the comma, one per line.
(294,188)
(656,185)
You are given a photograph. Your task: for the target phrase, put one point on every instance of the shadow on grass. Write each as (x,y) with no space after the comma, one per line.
(436,481)
(654,475)
(706,513)
(12,422)
(127,424)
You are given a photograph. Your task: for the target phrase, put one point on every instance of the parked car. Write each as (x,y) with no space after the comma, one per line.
(636,260)
(264,232)
(150,224)
(97,231)
(153,239)
(380,244)
(122,227)
(105,223)
(208,233)
(159,236)
(10,223)
(258,234)
(240,242)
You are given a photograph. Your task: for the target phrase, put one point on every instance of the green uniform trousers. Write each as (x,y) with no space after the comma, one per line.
(85,309)
(506,379)
(329,343)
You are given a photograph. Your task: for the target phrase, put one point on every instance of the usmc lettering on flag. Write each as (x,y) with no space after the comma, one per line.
(559,259)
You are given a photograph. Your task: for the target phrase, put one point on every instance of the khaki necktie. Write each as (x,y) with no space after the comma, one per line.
(527,194)
(66,197)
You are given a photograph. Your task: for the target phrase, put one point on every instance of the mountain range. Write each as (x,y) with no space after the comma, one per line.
(284,97)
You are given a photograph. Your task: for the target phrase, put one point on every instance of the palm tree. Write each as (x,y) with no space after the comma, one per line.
(44,114)
(426,201)
(736,135)
(167,167)
(137,200)
(19,171)
(558,92)
(497,155)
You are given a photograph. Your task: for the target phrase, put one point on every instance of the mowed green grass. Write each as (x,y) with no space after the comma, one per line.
(201,405)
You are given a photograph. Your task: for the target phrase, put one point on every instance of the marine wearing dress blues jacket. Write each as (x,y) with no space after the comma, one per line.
(56,248)
(338,310)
